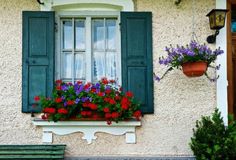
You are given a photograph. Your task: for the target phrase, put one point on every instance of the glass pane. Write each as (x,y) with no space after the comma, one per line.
(67,35)
(98,66)
(79,66)
(111,65)
(111,34)
(66,65)
(80,35)
(98,34)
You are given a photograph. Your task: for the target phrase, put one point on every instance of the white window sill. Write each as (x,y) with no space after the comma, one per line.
(88,128)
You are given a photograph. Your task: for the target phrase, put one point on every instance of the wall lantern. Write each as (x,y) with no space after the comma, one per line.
(217,21)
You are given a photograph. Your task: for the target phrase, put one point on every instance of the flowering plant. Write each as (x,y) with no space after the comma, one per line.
(95,101)
(193,52)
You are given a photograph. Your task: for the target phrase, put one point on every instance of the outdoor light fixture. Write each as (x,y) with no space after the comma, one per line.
(217,21)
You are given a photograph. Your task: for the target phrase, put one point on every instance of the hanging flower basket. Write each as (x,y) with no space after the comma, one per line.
(194,69)
(193,59)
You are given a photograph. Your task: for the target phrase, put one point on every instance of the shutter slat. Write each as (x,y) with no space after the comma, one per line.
(137,63)
(38,57)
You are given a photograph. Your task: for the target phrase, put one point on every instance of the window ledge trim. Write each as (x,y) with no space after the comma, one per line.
(88,128)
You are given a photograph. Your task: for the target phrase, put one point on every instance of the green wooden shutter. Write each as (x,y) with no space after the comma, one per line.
(37,58)
(136,57)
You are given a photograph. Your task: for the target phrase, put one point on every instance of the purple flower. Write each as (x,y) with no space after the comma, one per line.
(65,104)
(77,100)
(78,91)
(64,87)
(84,99)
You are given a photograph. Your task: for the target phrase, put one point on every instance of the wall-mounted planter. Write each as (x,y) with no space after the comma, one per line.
(88,128)
(194,69)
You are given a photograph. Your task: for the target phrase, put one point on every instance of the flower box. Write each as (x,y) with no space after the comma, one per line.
(88,128)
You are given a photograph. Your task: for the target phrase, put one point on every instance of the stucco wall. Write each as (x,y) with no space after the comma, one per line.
(179,101)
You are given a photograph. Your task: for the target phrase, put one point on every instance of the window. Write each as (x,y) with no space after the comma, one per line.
(89,48)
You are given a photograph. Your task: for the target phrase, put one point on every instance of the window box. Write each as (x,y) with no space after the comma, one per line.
(88,128)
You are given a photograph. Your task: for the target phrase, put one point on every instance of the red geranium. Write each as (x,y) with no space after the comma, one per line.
(93,106)
(137,114)
(62,111)
(58,100)
(58,81)
(114,115)
(58,88)
(129,94)
(106,110)
(108,91)
(70,103)
(100,94)
(108,115)
(36,98)
(124,106)
(112,101)
(49,110)
(105,81)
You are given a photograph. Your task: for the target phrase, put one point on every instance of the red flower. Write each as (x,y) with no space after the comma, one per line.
(104,81)
(93,106)
(70,103)
(137,114)
(58,100)
(129,94)
(108,91)
(89,113)
(93,90)
(124,106)
(36,98)
(62,111)
(85,104)
(112,101)
(83,113)
(125,100)
(49,110)
(100,94)
(58,88)
(106,99)
(114,115)
(106,110)
(58,81)
(117,97)
(86,86)
(112,81)
(108,115)
(79,82)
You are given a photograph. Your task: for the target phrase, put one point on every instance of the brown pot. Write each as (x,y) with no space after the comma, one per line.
(194,69)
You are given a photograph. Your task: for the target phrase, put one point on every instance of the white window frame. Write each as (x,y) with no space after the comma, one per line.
(88,15)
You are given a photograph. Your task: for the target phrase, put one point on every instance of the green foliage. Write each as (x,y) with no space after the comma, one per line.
(212,140)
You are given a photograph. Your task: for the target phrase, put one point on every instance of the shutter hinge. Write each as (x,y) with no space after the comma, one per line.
(55,27)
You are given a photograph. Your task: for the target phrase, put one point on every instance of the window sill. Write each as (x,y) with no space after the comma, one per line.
(88,128)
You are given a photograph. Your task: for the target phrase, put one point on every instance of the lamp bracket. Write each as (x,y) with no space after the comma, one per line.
(39,1)
(212,38)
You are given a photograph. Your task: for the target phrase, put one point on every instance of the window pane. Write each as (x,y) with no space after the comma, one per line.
(79,66)
(98,66)
(67,34)
(80,35)
(98,34)
(111,65)
(66,68)
(111,34)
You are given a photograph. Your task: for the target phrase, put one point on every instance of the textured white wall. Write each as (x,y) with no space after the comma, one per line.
(179,101)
